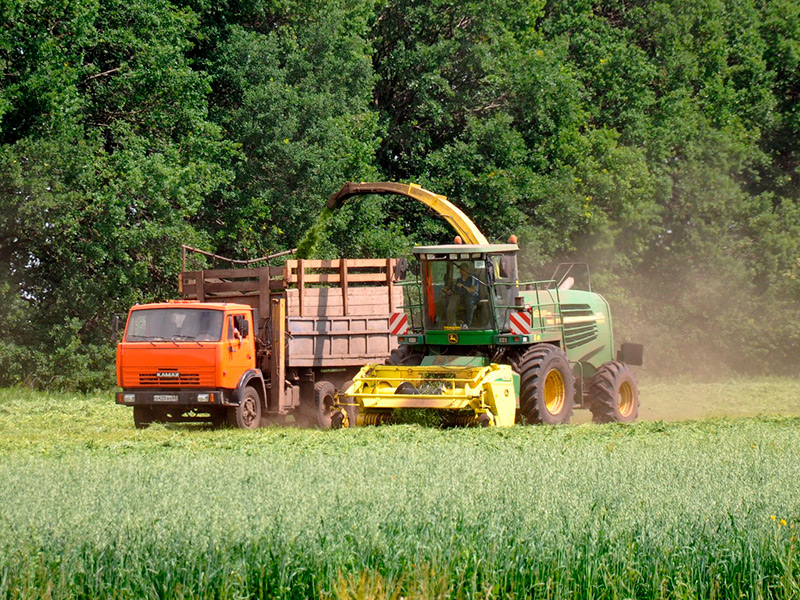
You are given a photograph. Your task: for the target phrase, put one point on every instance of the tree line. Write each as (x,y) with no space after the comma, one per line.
(656,140)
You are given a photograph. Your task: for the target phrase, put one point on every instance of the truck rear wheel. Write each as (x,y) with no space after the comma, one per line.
(142,416)
(324,399)
(614,394)
(247,415)
(547,387)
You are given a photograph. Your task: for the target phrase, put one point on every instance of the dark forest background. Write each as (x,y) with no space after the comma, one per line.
(656,140)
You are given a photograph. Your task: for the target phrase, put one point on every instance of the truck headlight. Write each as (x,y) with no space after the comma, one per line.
(202,397)
(129,398)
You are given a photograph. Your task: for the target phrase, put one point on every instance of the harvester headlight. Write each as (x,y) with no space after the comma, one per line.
(202,397)
(503,340)
(411,340)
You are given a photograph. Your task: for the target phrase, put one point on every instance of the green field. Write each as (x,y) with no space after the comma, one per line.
(92,508)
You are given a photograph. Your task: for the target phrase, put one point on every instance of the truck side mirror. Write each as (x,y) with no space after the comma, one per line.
(242,325)
(400,269)
(116,320)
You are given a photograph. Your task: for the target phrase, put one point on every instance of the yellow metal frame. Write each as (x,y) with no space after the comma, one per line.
(469,233)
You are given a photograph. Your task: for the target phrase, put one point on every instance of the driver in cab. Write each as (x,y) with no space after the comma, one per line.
(464,293)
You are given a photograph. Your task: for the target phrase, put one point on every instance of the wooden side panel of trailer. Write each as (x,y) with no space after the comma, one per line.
(336,311)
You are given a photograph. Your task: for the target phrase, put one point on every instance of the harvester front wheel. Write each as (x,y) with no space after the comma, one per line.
(404,356)
(547,387)
(247,415)
(614,394)
(350,407)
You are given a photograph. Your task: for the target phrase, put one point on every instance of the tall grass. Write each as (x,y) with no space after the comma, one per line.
(653,510)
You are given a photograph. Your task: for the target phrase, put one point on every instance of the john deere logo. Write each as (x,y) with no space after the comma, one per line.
(452,338)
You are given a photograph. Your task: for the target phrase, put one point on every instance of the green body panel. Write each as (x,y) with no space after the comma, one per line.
(459,337)
(584,326)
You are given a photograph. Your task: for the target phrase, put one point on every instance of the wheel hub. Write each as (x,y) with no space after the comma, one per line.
(554,392)
(248,412)
(625,399)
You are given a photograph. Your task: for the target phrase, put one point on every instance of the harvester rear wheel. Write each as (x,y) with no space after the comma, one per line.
(614,394)
(247,415)
(547,387)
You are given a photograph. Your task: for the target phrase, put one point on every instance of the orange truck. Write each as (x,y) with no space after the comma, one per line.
(250,346)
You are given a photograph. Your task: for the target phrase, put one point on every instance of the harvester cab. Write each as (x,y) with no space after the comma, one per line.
(467,290)
(487,349)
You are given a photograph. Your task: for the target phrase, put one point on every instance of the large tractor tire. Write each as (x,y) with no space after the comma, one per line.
(614,394)
(404,356)
(143,416)
(247,415)
(547,385)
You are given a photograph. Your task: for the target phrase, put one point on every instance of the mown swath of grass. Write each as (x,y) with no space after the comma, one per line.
(653,510)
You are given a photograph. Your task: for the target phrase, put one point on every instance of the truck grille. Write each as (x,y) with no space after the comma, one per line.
(173,377)
(153,379)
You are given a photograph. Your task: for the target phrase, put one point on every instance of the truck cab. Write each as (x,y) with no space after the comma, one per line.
(187,360)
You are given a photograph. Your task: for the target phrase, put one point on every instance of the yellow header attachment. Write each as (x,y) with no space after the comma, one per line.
(475,395)
(469,233)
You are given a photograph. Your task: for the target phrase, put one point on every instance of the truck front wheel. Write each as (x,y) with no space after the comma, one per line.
(247,415)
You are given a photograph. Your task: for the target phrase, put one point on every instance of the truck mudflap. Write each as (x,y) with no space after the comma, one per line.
(481,395)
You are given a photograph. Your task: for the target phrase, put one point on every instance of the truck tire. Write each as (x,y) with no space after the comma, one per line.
(324,399)
(247,415)
(614,394)
(142,416)
(547,385)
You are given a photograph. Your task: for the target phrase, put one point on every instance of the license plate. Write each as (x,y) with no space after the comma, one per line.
(165,398)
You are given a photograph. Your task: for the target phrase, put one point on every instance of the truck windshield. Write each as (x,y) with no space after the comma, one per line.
(457,295)
(174,324)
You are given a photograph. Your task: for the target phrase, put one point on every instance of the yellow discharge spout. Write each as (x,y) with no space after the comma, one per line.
(469,233)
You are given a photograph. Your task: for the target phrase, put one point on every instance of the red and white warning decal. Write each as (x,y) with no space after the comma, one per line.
(520,322)
(398,323)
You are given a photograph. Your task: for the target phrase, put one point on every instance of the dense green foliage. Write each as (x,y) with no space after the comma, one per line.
(657,141)
(92,508)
